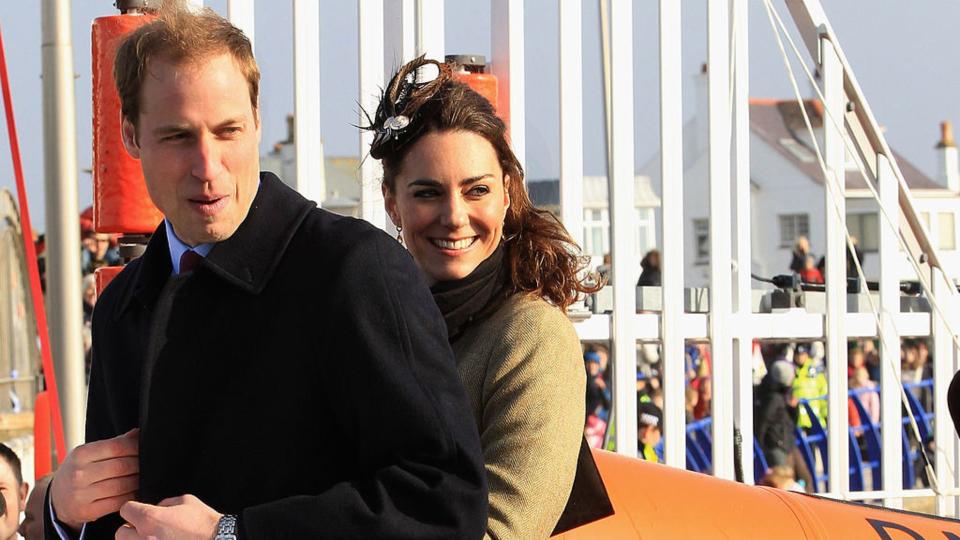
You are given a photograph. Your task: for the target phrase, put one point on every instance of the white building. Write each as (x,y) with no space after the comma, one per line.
(342,174)
(545,194)
(787,196)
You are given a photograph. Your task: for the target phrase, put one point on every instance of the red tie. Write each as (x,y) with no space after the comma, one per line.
(189,260)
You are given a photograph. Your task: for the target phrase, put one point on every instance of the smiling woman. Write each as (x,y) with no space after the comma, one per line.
(502,272)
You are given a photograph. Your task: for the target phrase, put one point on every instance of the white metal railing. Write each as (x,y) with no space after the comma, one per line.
(397,30)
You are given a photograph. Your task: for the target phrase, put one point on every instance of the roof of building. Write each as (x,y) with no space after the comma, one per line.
(778,122)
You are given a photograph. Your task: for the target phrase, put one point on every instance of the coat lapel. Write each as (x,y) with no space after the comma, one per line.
(248,258)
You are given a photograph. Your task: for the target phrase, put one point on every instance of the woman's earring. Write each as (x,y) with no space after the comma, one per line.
(399,236)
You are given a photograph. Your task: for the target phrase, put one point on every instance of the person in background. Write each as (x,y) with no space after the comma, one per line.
(801,250)
(915,369)
(89,288)
(692,397)
(597,398)
(650,276)
(97,252)
(597,401)
(810,273)
(854,257)
(776,420)
(605,372)
(13,490)
(643,387)
(704,386)
(855,360)
(872,356)
(869,399)
(759,368)
(782,477)
(810,384)
(656,397)
(31,528)
(605,269)
(775,417)
(503,273)
(649,431)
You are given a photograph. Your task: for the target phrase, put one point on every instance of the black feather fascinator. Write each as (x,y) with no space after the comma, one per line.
(395,121)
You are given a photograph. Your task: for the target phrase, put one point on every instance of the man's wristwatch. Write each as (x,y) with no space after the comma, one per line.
(226,528)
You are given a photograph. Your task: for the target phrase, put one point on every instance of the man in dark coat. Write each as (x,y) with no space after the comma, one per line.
(287,369)
(776,416)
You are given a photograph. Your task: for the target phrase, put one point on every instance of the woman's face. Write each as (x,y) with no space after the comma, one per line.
(450,198)
(15,497)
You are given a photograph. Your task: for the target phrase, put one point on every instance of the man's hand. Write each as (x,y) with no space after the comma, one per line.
(177,518)
(96,479)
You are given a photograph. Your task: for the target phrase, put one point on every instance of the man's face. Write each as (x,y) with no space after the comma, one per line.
(197,142)
(648,435)
(15,498)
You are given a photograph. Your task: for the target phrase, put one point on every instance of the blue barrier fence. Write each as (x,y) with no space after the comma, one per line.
(865,442)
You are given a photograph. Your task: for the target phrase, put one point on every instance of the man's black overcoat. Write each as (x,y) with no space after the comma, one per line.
(305,384)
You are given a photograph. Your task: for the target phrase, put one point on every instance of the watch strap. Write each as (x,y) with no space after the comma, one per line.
(226,528)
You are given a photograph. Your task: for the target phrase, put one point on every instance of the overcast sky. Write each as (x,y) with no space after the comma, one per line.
(904,55)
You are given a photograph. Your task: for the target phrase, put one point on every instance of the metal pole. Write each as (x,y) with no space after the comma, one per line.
(671,187)
(943,368)
(429,26)
(310,180)
(622,231)
(371,82)
(605,62)
(890,379)
(63,230)
(571,119)
(721,297)
(836,276)
(743,365)
(399,34)
(241,14)
(506,36)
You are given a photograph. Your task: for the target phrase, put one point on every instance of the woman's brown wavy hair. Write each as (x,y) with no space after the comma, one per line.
(542,259)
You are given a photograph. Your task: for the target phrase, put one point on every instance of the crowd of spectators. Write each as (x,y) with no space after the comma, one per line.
(96,250)
(784,375)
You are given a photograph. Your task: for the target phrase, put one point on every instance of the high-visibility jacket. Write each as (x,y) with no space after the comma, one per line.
(811,383)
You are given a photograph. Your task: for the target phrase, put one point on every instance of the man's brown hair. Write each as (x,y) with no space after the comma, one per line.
(179,35)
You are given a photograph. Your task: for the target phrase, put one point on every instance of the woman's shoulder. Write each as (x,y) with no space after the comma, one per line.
(529,327)
(525,313)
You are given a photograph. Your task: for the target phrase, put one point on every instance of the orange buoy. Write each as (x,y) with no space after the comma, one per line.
(104,275)
(654,501)
(42,451)
(470,69)
(121,202)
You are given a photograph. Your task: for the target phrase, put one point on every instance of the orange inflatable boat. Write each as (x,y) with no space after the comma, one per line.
(656,502)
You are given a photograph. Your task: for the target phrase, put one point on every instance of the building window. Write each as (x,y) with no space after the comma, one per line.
(701,241)
(646,231)
(596,232)
(793,226)
(946,231)
(866,229)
